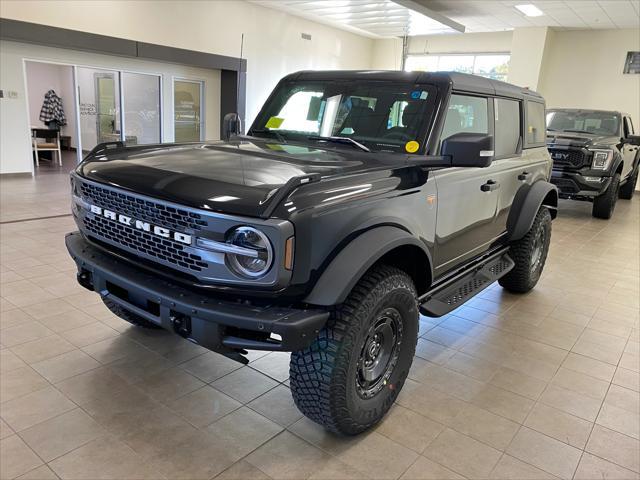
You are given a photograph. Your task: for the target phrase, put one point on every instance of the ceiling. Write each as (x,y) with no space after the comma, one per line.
(386,18)
(497,15)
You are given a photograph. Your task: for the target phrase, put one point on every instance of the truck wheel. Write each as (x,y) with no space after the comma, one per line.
(130,317)
(352,373)
(529,255)
(626,191)
(604,204)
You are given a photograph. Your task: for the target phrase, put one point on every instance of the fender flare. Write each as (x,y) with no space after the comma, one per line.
(348,267)
(526,204)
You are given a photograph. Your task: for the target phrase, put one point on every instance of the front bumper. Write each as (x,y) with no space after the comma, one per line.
(574,184)
(215,323)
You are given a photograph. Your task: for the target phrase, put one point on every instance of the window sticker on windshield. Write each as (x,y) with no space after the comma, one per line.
(417,94)
(274,122)
(412,146)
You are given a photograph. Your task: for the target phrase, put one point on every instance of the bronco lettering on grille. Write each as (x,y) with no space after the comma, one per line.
(140,225)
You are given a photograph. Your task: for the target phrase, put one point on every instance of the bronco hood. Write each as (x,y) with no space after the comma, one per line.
(238,177)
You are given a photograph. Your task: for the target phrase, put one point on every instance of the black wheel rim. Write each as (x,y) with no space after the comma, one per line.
(379,353)
(538,249)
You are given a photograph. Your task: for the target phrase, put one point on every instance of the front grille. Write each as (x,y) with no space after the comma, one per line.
(568,158)
(147,210)
(565,185)
(143,242)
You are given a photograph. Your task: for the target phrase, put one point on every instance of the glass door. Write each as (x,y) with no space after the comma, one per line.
(141,105)
(187,107)
(99,106)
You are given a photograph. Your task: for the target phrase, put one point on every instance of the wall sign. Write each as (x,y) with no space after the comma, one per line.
(632,63)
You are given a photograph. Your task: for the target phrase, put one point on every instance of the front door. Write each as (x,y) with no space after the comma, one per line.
(467,197)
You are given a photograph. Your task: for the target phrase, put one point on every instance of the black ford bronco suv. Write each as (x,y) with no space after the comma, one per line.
(595,156)
(356,200)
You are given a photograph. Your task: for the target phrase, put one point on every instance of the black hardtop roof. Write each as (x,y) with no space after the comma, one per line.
(458,81)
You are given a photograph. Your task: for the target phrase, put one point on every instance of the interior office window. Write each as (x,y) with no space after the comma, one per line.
(187,110)
(507,126)
(466,114)
(141,106)
(535,123)
(99,99)
(495,66)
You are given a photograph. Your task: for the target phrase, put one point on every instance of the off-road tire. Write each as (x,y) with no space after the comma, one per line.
(626,190)
(129,316)
(603,205)
(525,274)
(324,376)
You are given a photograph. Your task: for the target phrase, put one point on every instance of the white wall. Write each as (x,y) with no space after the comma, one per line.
(494,42)
(527,56)
(273,46)
(15,145)
(42,77)
(584,69)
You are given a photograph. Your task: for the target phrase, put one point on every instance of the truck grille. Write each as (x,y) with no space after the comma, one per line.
(565,185)
(149,211)
(568,158)
(143,242)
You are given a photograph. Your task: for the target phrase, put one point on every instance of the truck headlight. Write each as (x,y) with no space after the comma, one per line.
(254,257)
(601,159)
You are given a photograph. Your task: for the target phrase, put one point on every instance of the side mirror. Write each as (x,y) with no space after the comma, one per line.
(633,140)
(231,125)
(468,149)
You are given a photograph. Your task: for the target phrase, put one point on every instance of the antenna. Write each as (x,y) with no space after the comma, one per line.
(238,82)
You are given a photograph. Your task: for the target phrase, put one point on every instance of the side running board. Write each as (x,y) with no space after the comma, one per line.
(454,292)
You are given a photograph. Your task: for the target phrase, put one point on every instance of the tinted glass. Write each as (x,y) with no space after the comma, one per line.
(381,116)
(579,121)
(507,131)
(465,114)
(535,123)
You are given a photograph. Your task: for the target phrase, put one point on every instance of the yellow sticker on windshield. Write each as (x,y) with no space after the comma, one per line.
(412,146)
(274,122)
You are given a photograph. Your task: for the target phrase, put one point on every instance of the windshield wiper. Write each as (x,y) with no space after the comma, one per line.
(273,133)
(575,131)
(344,140)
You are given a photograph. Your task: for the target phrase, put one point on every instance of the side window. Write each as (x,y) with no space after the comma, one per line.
(507,131)
(535,123)
(466,114)
(628,126)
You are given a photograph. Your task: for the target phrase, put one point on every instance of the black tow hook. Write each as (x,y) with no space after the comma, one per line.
(181,324)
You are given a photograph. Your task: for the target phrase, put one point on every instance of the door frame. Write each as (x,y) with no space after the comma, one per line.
(76,99)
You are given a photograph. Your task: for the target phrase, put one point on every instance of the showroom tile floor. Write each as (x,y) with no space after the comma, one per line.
(538,386)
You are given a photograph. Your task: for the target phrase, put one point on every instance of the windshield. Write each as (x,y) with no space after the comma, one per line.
(600,123)
(381,116)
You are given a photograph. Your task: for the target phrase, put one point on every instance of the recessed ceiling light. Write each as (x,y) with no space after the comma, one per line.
(530,10)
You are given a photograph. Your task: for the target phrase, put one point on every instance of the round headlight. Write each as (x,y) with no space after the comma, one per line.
(258,256)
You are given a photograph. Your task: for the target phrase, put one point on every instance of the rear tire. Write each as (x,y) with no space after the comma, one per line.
(529,255)
(352,373)
(603,205)
(129,316)
(627,190)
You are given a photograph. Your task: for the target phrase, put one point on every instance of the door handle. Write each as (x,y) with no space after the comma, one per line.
(490,186)
(523,175)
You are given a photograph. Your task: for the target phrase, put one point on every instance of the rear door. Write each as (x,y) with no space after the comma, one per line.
(521,156)
(629,151)
(465,224)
